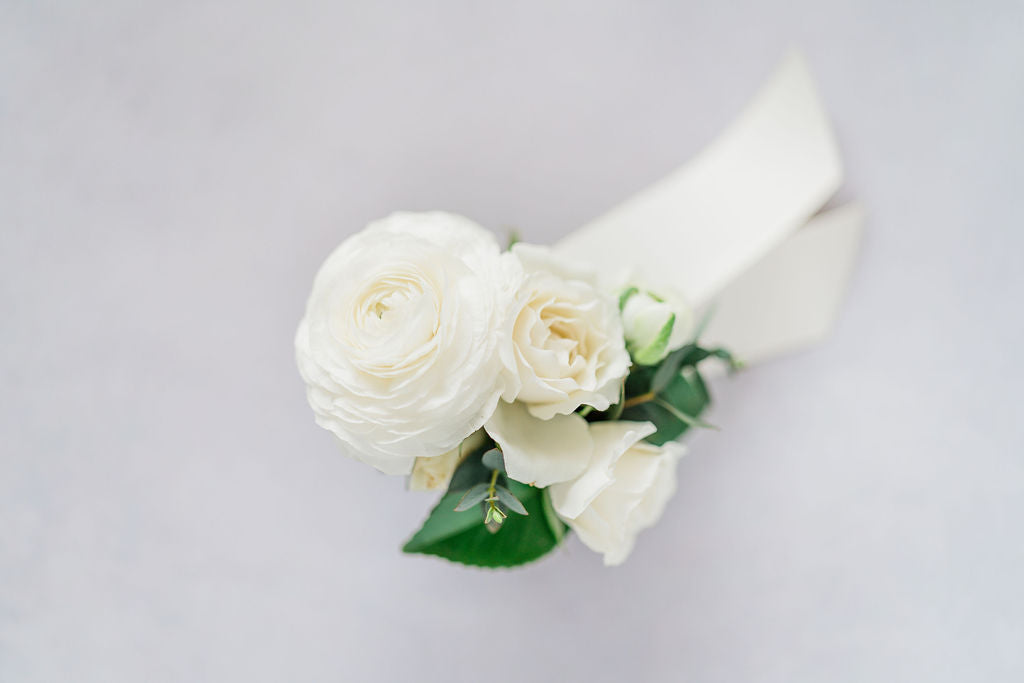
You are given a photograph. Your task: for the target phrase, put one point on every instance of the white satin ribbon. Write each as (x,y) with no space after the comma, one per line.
(789,299)
(725,229)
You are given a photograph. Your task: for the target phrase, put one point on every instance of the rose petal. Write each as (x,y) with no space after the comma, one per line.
(388,464)
(643,480)
(611,440)
(653,504)
(540,452)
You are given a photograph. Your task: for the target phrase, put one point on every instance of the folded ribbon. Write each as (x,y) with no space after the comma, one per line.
(735,229)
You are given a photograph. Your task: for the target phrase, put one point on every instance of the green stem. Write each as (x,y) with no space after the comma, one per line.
(638,400)
(493,511)
(681,416)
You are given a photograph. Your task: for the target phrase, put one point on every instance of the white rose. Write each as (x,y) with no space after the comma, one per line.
(567,350)
(655,323)
(622,492)
(567,343)
(400,344)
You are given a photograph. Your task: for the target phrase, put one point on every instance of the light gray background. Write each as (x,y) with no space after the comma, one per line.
(171,175)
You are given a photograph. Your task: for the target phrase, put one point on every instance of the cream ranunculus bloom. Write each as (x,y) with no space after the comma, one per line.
(400,346)
(622,492)
(567,343)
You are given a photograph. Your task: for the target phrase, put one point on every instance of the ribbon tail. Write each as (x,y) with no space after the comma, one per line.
(703,225)
(789,299)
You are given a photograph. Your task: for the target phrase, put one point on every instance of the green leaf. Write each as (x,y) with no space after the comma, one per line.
(460,536)
(734,363)
(513,238)
(494,460)
(638,381)
(444,522)
(687,356)
(510,501)
(696,355)
(475,495)
(653,352)
(624,297)
(697,381)
(680,415)
(669,368)
(555,523)
(667,426)
(615,412)
(470,473)
(686,394)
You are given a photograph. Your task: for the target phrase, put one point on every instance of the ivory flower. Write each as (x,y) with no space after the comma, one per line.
(655,323)
(400,346)
(567,342)
(622,492)
(434,474)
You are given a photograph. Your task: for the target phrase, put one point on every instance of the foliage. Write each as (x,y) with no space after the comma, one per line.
(487,519)
(511,524)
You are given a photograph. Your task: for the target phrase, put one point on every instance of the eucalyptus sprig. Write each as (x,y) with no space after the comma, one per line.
(454,530)
(496,500)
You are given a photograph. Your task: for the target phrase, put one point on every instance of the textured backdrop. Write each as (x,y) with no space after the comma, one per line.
(171,175)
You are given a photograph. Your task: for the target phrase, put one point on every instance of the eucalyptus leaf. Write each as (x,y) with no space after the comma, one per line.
(494,460)
(475,495)
(462,537)
(509,500)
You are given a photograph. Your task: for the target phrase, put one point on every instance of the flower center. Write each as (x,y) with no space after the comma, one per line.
(564,337)
(394,321)
(392,304)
